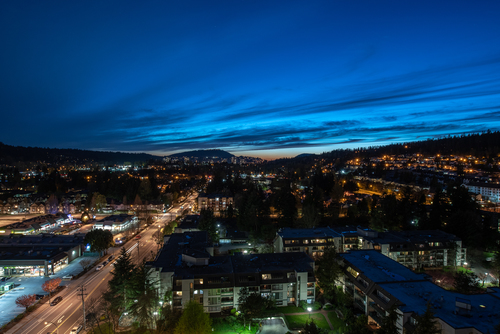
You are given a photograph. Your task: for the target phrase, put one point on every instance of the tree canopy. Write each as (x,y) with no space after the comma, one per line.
(99,240)
(194,320)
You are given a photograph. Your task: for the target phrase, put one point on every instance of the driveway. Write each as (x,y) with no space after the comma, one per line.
(273,326)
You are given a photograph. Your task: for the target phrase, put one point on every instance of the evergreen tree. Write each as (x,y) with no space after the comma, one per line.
(426,323)
(389,323)
(328,271)
(145,303)
(120,286)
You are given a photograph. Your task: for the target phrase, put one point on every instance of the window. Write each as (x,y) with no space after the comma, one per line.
(198,281)
(266,276)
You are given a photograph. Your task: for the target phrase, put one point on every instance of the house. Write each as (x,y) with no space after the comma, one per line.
(488,191)
(312,241)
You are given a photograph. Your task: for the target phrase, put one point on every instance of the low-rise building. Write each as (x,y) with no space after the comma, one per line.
(116,223)
(378,283)
(186,266)
(39,255)
(414,249)
(488,191)
(312,241)
(215,202)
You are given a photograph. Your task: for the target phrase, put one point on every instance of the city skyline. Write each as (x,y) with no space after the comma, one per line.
(253,78)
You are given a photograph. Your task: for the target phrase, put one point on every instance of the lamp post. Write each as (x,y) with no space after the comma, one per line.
(309,309)
(51,323)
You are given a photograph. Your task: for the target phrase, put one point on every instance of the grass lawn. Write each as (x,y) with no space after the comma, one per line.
(222,326)
(452,269)
(298,321)
(337,323)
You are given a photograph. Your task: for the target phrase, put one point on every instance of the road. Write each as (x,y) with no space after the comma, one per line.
(68,313)
(62,317)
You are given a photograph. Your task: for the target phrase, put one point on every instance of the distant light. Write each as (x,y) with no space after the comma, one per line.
(309,309)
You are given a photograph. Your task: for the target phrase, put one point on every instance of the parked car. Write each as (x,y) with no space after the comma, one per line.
(119,241)
(38,297)
(110,258)
(138,236)
(67,278)
(76,330)
(56,301)
(99,267)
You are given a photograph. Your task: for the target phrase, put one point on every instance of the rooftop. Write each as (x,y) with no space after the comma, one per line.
(379,268)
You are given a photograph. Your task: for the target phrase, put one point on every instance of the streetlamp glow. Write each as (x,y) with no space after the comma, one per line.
(309,309)
(51,323)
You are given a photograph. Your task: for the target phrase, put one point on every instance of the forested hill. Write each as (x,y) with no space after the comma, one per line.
(485,144)
(11,155)
(479,144)
(204,154)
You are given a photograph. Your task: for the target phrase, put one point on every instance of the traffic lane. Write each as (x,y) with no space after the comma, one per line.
(69,311)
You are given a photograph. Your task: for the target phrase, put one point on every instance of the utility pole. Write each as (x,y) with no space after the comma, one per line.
(82,293)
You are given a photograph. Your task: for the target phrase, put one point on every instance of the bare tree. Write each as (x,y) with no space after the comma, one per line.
(85,263)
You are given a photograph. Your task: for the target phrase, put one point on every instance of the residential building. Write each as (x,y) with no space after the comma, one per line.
(377,283)
(215,202)
(414,249)
(488,191)
(312,241)
(186,265)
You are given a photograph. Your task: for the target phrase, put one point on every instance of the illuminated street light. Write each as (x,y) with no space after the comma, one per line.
(51,323)
(309,309)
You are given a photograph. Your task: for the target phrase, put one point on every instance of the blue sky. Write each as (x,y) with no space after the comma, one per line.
(259,78)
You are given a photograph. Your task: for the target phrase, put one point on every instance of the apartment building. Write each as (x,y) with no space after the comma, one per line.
(488,191)
(377,283)
(312,241)
(186,266)
(215,202)
(414,249)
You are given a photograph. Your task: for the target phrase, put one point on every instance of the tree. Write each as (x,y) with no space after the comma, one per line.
(51,285)
(389,323)
(99,240)
(98,202)
(119,293)
(426,324)
(52,204)
(312,328)
(465,282)
(85,263)
(145,298)
(251,305)
(25,301)
(194,320)
(328,271)
(169,317)
(207,223)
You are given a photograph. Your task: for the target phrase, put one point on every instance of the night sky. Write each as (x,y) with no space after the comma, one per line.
(257,78)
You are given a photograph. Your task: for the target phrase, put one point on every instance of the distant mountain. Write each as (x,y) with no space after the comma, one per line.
(204,154)
(304,155)
(12,155)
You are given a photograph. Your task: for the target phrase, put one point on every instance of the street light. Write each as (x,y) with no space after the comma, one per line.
(309,309)
(51,323)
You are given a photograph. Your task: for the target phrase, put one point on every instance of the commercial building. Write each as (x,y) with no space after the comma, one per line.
(38,255)
(116,223)
(377,283)
(186,265)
